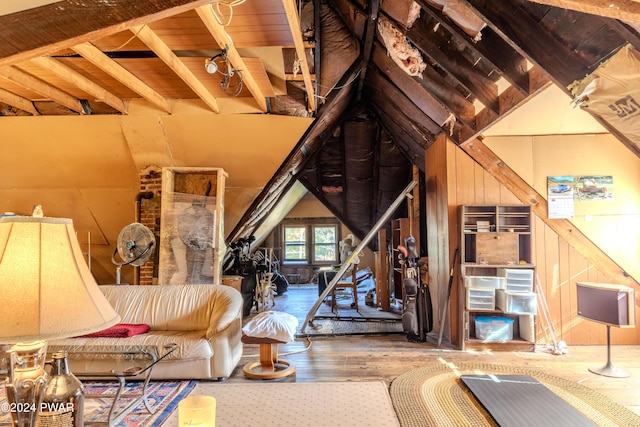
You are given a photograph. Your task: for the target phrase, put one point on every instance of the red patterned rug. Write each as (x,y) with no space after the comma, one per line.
(164,397)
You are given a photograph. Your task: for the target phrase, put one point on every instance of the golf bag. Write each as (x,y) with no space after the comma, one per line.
(417,313)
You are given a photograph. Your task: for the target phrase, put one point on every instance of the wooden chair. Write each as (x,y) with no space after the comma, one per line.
(343,285)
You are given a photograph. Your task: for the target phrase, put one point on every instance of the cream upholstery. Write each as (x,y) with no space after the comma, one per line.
(205,321)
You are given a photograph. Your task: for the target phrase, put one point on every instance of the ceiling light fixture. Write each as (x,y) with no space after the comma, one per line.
(220,64)
(210,64)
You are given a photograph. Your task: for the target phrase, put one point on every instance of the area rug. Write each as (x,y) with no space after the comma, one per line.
(339,327)
(164,397)
(434,396)
(277,404)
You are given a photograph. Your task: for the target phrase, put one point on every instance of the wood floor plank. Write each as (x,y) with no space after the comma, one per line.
(369,358)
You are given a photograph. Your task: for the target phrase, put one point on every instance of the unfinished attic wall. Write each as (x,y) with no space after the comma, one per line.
(358,172)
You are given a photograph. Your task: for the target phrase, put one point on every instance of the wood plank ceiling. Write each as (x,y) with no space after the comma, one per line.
(459,67)
(90,58)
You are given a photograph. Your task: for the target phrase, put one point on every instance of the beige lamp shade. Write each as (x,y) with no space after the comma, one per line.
(46,287)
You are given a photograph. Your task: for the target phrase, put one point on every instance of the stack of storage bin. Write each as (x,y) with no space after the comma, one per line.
(481,295)
(481,291)
(517,296)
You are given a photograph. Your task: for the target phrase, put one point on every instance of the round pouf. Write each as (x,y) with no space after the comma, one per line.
(268,329)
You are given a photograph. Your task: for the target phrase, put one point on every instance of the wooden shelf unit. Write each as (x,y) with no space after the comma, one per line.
(494,237)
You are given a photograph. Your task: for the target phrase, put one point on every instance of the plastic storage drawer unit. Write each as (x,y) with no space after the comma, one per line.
(484,282)
(498,329)
(517,280)
(516,302)
(481,299)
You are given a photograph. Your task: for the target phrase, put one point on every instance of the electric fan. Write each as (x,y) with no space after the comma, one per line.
(134,246)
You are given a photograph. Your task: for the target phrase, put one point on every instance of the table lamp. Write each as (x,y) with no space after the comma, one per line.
(47,292)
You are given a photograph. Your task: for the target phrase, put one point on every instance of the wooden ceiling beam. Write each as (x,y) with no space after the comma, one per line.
(441,51)
(164,52)
(384,93)
(369,37)
(563,227)
(329,115)
(296,33)
(624,10)
(490,48)
(17,101)
(80,81)
(48,29)
(509,100)
(218,32)
(430,105)
(44,89)
(562,62)
(118,72)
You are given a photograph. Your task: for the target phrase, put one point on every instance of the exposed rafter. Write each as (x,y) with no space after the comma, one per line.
(18,102)
(625,10)
(167,56)
(369,37)
(294,25)
(66,23)
(224,41)
(80,81)
(118,72)
(44,89)
(317,133)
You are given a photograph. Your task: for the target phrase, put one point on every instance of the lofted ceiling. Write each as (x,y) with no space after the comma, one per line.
(381,79)
(443,67)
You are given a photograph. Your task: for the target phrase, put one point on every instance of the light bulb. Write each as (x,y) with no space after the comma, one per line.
(211,67)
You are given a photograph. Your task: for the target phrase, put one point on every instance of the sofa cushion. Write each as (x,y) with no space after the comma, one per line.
(172,307)
(191,345)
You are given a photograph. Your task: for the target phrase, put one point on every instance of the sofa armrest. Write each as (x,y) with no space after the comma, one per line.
(225,311)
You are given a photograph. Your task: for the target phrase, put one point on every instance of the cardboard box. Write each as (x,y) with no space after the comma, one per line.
(233,281)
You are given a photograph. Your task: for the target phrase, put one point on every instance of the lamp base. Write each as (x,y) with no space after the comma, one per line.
(26,382)
(609,370)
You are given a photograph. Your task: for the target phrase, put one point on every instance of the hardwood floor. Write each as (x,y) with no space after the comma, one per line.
(366,358)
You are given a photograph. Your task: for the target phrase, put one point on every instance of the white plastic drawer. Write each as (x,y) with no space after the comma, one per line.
(481,299)
(484,282)
(516,302)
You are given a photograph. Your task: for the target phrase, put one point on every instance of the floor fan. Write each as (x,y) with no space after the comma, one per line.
(134,246)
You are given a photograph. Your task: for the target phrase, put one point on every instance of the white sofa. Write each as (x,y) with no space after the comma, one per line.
(205,321)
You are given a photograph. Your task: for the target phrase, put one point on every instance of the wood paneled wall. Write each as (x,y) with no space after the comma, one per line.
(453,179)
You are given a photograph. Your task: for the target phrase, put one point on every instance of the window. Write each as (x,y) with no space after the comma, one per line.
(312,243)
(324,243)
(295,243)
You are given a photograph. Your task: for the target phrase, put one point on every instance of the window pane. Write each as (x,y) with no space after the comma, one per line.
(324,243)
(295,243)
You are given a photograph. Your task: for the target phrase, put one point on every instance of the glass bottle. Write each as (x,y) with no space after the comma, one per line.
(63,402)
(26,381)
